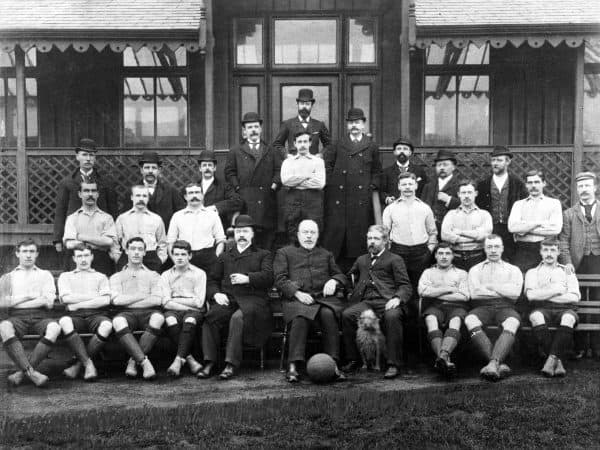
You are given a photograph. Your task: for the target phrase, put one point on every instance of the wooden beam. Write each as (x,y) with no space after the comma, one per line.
(405,70)
(22,195)
(578,122)
(209,66)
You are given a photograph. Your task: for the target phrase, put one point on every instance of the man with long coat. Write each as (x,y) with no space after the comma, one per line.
(309,278)
(253,169)
(353,171)
(237,293)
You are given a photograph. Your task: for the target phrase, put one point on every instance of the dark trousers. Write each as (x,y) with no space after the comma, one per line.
(501,229)
(417,258)
(303,204)
(151,261)
(299,327)
(590,264)
(212,332)
(466,259)
(392,325)
(527,255)
(204,259)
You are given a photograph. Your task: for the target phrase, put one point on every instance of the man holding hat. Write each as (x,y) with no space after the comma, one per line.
(441,193)
(353,171)
(302,122)
(403,150)
(253,169)
(67,196)
(237,292)
(497,194)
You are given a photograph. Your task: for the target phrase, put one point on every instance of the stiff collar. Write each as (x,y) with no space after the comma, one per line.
(20,267)
(307,120)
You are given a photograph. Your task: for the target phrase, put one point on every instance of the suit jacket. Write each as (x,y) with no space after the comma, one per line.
(224,198)
(165,201)
(516,191)
(68,201)
(316,128)
(389,180)
(252,178)
(388,273)
(572,236)
(429,196)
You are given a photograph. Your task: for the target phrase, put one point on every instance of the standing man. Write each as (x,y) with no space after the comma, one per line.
(237,289)
(304,175)
(67,197)
(384,287)
(445,293)
(466,227)
(412,228)
(532,220)
(353,172)
(218,194)
(498,193)
(302,122)
(552,291)
(200,226)
(185,289)
(138,293)
(27,294)
(494,286)
(253,169)
(139,221)
(86,294)
(403,150)
(441,193)
(92,226)
(309,278)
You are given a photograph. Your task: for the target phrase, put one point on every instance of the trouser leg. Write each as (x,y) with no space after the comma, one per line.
(297,338)
(234,348)
(331,332)
(394,334)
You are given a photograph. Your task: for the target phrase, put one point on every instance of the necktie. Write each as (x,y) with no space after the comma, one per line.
(373,259)
(588,211)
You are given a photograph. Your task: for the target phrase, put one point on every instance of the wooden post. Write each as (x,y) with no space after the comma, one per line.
(22,178)
(209,63)
(578,121)
(404,70)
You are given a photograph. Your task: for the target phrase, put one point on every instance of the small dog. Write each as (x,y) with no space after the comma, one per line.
(370,340)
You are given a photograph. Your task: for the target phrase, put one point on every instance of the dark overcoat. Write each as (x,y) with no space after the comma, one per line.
(298,269)
(316,128)
(353,172)
(165,201)
(389,180)
(430,193)
(68,201)
(516,191)
(252,178)
(224,198)
(251,298)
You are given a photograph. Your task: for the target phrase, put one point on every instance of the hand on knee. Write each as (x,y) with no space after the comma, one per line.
(156,321)
(104,329)
(431,323)
(511,324)
(66,323)
(52,331)
(536,318)
(454,323)
(568,320)
(191,320)
(7,330)
(471,321)
(119,323)
(171,321)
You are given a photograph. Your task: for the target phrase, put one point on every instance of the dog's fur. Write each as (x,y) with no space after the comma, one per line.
(370,341)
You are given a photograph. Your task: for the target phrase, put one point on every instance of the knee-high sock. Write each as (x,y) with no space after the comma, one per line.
(503,345)
(40,351)
(131,344)
(174,331)
(435,339)
(15,350)
(186,337)
(482,342)
(543,337)
(95,344)
(77,346)
(148,339)
(450,341)
(562,343)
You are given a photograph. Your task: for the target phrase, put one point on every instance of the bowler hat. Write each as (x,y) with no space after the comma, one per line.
(355,114)
(585,176)
(86,145)
(251,117)
(207,155)
(305,95)
(500,150)
(150,158)
(445,155)
(403,141)
(243,220)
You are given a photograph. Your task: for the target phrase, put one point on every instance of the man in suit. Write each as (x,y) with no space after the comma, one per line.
(253,169)
(441,193)
(302,122)
(353,172)
(497,194)
(403,150)
(383,286)
(67,196)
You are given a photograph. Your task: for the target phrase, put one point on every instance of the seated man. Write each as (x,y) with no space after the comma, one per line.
(237,288)
(552,291)
(185,289)
(87,296)
(384,287)
(138,292)
(26,295)
(494,286)
(308,277)
(445,293)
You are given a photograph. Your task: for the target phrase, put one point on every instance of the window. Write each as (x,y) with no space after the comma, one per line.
(248,42)
(306,41)
(146,57)
(320,108)
(361,41)
(591,96)
(457,96)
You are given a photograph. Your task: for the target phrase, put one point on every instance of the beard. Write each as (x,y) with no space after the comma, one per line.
(304,113)
(402,158)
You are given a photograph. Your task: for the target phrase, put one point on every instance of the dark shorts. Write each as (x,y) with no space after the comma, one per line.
(553,312)
(88,320)
(137,319)
(30,320)
(444,311)
(494,315)
(182,315)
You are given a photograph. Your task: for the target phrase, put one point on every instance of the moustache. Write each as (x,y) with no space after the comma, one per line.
(242,239)
(194,199)
(141,202)
(402,158)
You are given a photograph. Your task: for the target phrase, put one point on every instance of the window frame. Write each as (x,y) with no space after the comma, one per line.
(346,38)
(265,55)
(589,68)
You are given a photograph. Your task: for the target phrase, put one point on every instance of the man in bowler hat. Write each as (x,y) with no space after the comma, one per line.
(403,151)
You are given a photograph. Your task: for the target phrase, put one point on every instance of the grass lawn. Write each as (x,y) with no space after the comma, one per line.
(526,414)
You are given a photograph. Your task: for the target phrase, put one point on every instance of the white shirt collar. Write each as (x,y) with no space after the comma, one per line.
(404,166)
(442,182)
